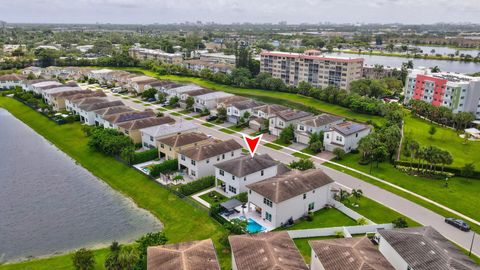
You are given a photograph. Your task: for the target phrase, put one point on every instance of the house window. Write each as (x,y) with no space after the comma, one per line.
(151,138)
(311,206)
(193,162)
(223,156)
(232,189)
(356,135)
(208,161)
(250,191)
(304,196)
(268,216)
(339,138)
(183,157)
(194,173)
(232,153)
(328,136)
(233,177)
(222,172)
(126,131)
(267,202)
(262,172)
(162,146)
(218,158)
(245,178)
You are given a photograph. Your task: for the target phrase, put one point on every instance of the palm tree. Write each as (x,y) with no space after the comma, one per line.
(357,194)
(111,262)
(128,257)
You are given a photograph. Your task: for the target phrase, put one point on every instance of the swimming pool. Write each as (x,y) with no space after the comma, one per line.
(253,226)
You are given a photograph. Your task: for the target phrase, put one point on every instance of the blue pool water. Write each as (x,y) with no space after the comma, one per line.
(253,226)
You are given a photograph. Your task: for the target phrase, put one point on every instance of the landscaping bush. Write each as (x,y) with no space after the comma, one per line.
(165,167)
(196,186)
(139,157)
(108,141)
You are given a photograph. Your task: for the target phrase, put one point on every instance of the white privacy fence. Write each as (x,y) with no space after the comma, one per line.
(349,212)
(347,231)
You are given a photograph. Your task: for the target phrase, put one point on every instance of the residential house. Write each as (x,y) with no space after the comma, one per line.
(233,175)
(316,124)
(261,115)
(132,128)
(286,118)
(151,135)
(49,95)
(270,250)
(11,80)
(137,84)
(178,91)
(237,110)
(290,196)
(354,253)
(39,87)
(161,85)
(70,101)
(100,114)
(112,121)
(195,255)
(185,95)
(199,65)
(422,248)
(198,161)
(209,101)
(87,108)
(225,102)
(58,100)
(168,147)
(35,71)
(158,55)
(345,135)
(98,74)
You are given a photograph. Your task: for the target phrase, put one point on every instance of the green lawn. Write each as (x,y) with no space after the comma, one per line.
(175,214)
(162,109)
(461,194)
(137,101)
(216,198)
(227,130)
(445,138)
(185,111)
(208,124)
(280,142)
(324,218)
(125,97)
(147,104)
(175,114)
(300,155)
(273,146)
(231,129)
(188,118)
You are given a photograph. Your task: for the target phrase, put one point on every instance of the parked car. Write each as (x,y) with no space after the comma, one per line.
(460,224)
(211,118)
(151,100)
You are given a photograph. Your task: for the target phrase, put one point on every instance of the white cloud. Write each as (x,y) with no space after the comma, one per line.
(225,11)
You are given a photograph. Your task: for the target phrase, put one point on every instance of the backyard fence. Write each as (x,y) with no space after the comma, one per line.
(347,231)
(349,212)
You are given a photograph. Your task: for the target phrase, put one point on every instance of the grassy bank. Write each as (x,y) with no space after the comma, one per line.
(410,56)
(182,221)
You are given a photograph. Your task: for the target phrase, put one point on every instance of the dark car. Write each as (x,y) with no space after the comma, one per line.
(151,99)
(211,118)
(458,223)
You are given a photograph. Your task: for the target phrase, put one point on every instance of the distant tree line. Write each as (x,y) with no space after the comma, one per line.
(440,114)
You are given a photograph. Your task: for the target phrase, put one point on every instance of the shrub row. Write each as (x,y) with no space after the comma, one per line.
(140,157)
(455,171)
(163,168)
(196,186)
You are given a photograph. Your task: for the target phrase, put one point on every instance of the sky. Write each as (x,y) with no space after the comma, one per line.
(230,11)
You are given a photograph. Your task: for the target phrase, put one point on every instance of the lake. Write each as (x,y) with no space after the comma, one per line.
(444,65)
(48,204)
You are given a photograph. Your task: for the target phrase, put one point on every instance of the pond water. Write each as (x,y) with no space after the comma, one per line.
(444,65)
(48,204)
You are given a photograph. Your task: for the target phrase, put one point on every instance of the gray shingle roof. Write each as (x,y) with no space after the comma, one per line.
(289,115)
(424,248)
(100,105)
(196,255)
(113,110)
(247,104)
(128,116)
(179,140)
(348,128)
(357,253)
(246,165)
(322,120)
(211,149)
(146,122)
(265,251)
(291,184)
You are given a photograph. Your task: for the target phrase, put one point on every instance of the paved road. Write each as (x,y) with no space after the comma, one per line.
(410,209)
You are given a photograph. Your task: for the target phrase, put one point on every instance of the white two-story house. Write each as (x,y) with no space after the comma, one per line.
(261,116)
(345,135)
(286,118)
(209,101)
(289,196)
(237,110)
(198,162)
(11,80)
(87,110)
(233,175)
(316,124)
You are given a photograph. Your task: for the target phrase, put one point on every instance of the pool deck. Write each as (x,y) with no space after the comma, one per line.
(250,213)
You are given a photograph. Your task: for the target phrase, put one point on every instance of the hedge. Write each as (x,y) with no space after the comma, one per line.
(164,167)
(140,157)
(197,185)
(456,171)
